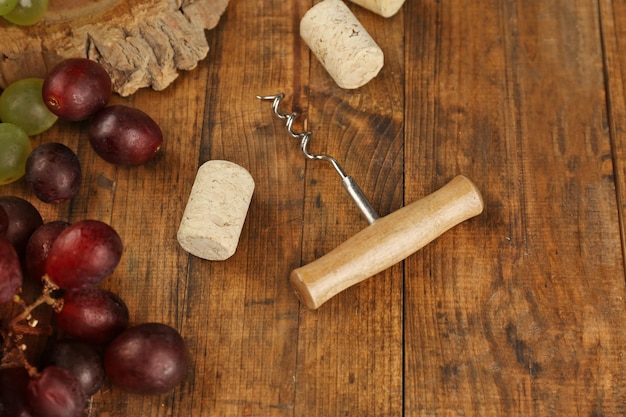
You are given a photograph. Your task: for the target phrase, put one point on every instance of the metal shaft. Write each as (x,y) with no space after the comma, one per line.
(348,182)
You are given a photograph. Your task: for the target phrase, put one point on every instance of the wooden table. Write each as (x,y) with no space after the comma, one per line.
(517,312)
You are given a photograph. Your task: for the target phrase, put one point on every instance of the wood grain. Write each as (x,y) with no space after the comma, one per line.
(516,312)
(522,319)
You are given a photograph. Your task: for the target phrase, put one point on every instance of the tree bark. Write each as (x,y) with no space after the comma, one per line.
(141,43)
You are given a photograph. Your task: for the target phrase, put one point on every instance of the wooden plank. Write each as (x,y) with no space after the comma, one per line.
(515,312)
(238,317)
(350,349)
(245,319)
(613,28)
(145,205)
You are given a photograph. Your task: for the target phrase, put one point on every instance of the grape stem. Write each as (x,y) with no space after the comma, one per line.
(30,330)
(45,298)
(13,350)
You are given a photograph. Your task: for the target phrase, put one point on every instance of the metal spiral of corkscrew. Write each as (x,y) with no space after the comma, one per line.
(348,182)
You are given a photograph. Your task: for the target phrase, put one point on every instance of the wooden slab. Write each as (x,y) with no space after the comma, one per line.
(519,311)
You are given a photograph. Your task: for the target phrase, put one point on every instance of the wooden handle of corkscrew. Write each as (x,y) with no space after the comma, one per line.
(387,241)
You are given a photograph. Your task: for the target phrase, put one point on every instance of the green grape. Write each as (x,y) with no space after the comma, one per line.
(6,6)
(14,150)
(27,12)
(22,104)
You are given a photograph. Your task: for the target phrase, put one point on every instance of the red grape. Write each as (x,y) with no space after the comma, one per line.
(149,358)
(39,245)
(55,392)
(81,359)
(125,135)
(24,219)
(11,276)
(83,254)
(12,392)
(53,172)
(76,88)
(92,315)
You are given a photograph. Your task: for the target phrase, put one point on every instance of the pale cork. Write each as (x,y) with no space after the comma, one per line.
(341,44)
(384,8)
(216,210)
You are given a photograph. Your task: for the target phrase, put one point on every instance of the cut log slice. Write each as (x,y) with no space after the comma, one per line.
(141,43)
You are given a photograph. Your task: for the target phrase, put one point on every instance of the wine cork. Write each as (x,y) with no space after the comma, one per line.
(341,44)
(385,8)
(216,210)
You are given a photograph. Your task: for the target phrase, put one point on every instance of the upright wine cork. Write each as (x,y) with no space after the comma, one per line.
(341,44)
(216,210)
(385,8)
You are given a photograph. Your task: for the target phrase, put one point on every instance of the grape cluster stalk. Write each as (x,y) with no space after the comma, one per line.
(90,330)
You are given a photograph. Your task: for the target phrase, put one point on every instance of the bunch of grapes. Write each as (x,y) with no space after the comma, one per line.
(91,339)
(76,89)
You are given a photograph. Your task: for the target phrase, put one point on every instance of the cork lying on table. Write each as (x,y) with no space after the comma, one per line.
(385,8)
(341,44)
(216,210)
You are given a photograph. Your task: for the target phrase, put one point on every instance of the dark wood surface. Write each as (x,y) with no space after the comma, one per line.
(517,312)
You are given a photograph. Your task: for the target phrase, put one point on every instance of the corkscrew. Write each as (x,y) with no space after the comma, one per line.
(387,240)
(347,181)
